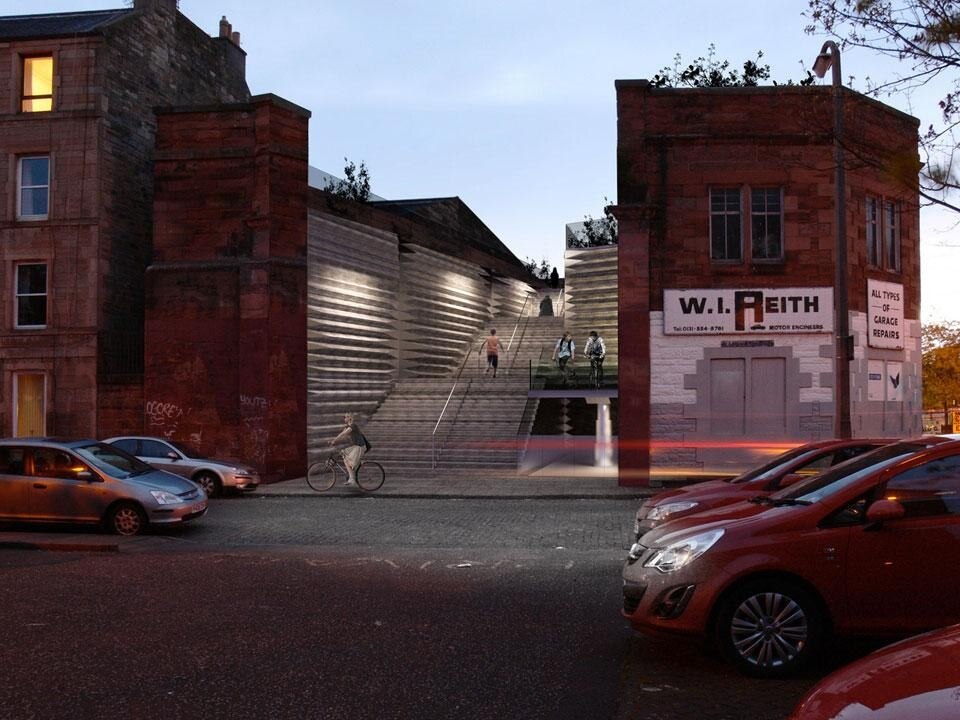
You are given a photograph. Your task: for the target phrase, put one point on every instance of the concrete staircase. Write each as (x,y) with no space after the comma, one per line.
(484,417)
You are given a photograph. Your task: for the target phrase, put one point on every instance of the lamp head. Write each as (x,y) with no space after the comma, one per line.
(828,57)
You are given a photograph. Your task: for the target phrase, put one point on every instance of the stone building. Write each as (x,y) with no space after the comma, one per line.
(76,201)
(726,204)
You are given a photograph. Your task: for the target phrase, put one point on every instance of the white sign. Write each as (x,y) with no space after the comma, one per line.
(876,380)
(894,381)
(748,311)
(885,315)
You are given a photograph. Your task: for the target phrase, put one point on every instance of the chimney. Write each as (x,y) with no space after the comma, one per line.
(225,27)
(235,37)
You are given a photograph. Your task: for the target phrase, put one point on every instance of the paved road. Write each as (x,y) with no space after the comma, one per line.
(356,608)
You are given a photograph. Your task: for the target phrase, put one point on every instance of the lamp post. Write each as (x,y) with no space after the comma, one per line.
(829,58)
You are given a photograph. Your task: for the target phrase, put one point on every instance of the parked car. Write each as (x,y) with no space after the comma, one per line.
(783,470)
(909,680)
(91,482)
(212,475)
(869,547)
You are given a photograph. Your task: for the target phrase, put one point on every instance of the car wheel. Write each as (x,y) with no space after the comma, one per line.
(770,628)
(209,482)
(126,519)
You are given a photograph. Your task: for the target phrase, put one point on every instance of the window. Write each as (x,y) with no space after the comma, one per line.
(33,188)
(766,226)
(873,232)
(31,295)
(37,95)
(725,240)
(154,449)
(929,489)
(891,236)
(765,230)
(883,234)
(127,445)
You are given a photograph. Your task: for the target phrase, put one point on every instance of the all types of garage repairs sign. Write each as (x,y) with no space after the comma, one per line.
(742,312)
(884,315)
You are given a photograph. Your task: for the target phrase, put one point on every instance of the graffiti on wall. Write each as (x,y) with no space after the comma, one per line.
(253,413)
(163,418)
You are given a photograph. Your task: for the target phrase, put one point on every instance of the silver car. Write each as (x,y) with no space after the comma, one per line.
(212,475)
(91,482)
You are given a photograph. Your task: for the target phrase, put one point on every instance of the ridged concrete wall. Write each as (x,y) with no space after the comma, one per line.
(590,295)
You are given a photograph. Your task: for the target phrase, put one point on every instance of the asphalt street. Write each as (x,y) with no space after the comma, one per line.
(357,608)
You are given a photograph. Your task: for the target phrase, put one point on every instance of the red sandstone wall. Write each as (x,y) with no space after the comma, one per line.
(226,294)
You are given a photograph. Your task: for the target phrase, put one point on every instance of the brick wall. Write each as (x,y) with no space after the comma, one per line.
(676,144)
(227,289)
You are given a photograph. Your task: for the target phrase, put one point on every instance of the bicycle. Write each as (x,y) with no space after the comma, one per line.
(596,372)
(324,474)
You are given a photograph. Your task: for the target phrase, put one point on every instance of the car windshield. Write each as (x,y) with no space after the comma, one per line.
(112,460)
(771,468)
(186,451)
(841,476)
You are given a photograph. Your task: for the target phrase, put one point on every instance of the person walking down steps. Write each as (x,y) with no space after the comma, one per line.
(492,345)
(564,353)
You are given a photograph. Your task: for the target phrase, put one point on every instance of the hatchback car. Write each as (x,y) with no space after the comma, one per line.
(212,475)
(867,548)
(783,470)
(909,680)
(91,482)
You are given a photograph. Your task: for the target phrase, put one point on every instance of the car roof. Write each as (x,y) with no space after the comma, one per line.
(47,441)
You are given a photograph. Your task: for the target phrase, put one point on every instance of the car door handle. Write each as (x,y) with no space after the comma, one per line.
(40,486)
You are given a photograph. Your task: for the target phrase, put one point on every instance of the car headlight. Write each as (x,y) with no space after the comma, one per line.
(683,552)
(165,498)
(662,512)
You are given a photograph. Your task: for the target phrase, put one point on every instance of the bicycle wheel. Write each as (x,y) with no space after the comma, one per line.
(322,475)
(370,476)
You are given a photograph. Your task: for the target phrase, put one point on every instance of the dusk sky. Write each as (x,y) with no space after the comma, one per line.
(511,105)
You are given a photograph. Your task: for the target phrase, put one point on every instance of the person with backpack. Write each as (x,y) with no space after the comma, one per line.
(595,351)
(564,353)
(352,454)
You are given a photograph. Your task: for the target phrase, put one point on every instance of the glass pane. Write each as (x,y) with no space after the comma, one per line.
(34,171)
(37,105)
(32,311)
(37,76)
(31,279)
(33,202)
(29,421)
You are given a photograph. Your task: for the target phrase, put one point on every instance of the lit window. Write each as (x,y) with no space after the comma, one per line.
(33,188)
(37,84)
(31,295)
(725,238)
(766,224)
(891,236)
(873,232)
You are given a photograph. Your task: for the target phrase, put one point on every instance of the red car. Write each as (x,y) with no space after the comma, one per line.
(783,470)
(915,679)
(870,547)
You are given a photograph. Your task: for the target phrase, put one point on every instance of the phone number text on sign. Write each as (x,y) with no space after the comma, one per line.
(746,311)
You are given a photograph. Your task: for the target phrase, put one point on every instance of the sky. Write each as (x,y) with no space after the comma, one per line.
(510,104)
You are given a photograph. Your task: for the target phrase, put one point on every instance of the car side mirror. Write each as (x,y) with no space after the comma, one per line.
(172,455)
(790,479)
(87,476)
(883,510)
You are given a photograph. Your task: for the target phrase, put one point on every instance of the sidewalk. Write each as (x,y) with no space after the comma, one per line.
(444,485)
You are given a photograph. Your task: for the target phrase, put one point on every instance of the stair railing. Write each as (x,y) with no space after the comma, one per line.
(561,301)
(456,380)
(519,318)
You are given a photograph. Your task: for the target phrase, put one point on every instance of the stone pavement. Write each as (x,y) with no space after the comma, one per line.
(439,484)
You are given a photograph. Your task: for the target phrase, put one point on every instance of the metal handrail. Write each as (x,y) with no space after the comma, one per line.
(561,302)
(433,435)
(519,316)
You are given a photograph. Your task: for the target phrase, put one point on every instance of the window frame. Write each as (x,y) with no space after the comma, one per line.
(766,214)
(21,187)
(882,218)
(24,98)
(723,214)
(17,295)
(872,220)
(746,218)
(890,226)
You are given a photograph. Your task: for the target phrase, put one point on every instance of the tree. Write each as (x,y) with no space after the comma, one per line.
(925,35)
(710,72)
(356,186)
(940,345)
(595,233)
(539,270)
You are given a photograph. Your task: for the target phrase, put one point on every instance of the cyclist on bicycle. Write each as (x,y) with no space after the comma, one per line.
(353,454)
(595,351)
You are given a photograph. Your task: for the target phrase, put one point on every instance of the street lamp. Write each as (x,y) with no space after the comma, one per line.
(829,58)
